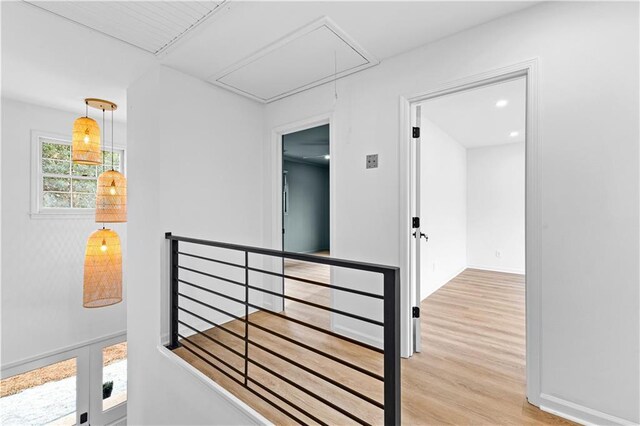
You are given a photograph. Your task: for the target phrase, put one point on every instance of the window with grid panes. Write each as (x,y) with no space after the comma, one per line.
(65,185)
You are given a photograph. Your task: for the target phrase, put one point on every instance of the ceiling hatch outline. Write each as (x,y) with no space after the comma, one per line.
(368,61)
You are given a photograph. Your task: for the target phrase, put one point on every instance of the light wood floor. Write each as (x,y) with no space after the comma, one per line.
(471,369)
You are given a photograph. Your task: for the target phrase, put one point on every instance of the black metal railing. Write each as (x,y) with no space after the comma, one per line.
(390,323)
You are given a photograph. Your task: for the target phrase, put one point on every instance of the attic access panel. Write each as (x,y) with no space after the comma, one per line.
(311,56)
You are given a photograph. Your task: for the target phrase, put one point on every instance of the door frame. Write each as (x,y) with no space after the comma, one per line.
(277,133)
(89,376)
(533,205)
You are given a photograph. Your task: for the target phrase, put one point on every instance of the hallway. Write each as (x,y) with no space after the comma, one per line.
(471,370)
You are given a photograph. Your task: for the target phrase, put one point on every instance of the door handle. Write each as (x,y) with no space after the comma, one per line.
(426,238)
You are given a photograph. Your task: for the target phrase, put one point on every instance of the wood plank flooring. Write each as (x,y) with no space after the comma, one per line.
(471,369)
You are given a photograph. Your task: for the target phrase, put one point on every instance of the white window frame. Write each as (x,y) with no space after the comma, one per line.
(37,210)
(89,376)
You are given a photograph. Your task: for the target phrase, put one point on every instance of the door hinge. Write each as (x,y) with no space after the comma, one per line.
(415,131)
(84,417)
(415,312)
(415,222)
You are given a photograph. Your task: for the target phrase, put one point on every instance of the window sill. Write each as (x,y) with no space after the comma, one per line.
(89,215)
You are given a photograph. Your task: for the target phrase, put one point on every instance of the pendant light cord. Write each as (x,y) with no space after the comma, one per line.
(86,109)
(112,139)
(104,132)
(103,135)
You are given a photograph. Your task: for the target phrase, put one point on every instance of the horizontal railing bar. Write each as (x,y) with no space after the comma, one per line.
(318,283)
(319,329)
(212,307)
(317,374)
(220,360)
(213,323)
(308,392)
(319,352)
(224,345)
(253,390)
(316,305)
(217,293)
(212,276)
(281,398)
(332,261)
(213,365)
(212,260)
(276,406)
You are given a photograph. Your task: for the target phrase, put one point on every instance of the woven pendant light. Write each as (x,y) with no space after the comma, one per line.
(85,142)
(102,270)
(111,197)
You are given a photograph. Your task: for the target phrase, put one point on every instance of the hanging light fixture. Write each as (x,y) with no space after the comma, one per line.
(111,195)
(103,256)
(85,141)
(102,270)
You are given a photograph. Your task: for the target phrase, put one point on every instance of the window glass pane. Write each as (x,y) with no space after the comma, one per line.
(58,167)
(43,396)
(106,155)
(85,185)
(84,201)
(56,150)
(56,184)
(114,375)
(84,170)
(56,199)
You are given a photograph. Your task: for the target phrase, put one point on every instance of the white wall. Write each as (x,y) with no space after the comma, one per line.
(43,259)
(495,207)
(588,112)
(195,165)
(443,210)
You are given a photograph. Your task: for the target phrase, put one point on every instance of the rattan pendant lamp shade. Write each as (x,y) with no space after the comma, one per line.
(102,270)
(85,141)
(111,197)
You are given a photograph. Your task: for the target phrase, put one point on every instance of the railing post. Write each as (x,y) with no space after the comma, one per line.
(246,317)
(173,277)
(392,404)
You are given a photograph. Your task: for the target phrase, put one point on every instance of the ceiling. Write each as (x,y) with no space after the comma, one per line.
(149,25)
(473,119)
(307,146)
(48,59)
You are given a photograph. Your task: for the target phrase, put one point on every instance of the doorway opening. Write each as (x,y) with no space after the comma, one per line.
(467,201)
(306,212)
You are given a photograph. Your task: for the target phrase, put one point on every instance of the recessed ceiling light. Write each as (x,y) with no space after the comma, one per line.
(326,157)
(514,134)
(502,103)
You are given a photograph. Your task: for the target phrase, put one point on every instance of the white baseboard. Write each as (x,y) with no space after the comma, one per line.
(494,269)
(578,413)
(446,280)
(455,274)
(357,335)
